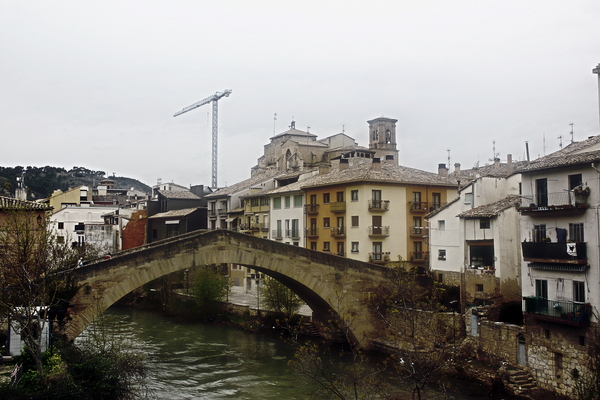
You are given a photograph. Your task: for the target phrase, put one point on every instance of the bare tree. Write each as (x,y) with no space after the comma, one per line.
(30,275)
(421,336)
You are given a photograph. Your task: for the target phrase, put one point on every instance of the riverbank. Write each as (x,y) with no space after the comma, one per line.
(243,311)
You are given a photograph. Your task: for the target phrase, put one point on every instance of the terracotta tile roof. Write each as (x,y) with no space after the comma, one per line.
(390,173)
(295,132)
(245,184)
(8,203)
(500,170)
(184,212)
(178,194)
(493,209)
(437,210)
(584,152)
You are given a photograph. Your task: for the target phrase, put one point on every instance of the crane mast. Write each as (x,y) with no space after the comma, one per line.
(215,119)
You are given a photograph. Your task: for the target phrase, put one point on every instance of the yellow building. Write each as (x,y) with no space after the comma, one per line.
(372,211)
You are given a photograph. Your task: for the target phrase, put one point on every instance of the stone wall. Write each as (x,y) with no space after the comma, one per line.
(555,350)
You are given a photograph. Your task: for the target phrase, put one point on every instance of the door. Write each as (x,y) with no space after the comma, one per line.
(376,224)
(541,192)
(521,351)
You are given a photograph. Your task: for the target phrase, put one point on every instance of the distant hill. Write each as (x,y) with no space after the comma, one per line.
(42,181)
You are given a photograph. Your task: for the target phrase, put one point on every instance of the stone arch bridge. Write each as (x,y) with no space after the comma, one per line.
(336,288)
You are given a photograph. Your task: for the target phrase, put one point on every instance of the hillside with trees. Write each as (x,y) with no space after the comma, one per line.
(42,181)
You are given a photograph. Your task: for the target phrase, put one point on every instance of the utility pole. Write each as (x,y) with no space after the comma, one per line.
(597,72)
(215,122)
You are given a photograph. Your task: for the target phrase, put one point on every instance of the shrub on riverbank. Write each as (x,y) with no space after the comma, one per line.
(79,373)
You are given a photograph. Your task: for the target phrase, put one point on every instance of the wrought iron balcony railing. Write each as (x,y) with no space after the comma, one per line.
(379,257)
(379,205)
(566,312)
(337,207)
(418,206)
(379,231)
(311,208)
(277,234)
(312,232)
(338,231)
(567,200)
(549,252)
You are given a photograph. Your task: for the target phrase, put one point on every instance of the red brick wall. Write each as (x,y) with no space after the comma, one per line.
(134,233)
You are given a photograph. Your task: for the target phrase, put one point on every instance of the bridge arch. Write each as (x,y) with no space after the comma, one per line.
(335,288)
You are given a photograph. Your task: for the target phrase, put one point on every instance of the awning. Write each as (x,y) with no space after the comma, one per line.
(229,219)
(559,267)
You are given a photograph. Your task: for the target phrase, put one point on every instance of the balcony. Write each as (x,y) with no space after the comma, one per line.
(418,207)
(419,256)
(379,205)
(337,207)
(555,253)
(379,231)
(566,202)
(255,226)
(311,209)
(312,232)
(435,206)
(212,213)
(292,233)
(379,258)
(417,231)
(277,234)
(561,311)
(338,232)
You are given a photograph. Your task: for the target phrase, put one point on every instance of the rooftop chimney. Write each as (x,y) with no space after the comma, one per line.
(442,170)
(344,164)
(324,169)
(376,166)
(457,168)
(496,162)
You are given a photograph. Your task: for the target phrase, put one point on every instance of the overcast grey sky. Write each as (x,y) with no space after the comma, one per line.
(96,83)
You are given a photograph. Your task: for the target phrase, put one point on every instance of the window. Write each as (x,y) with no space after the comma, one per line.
(482,255)
(254,202)
(340,249)
(558,364)
(376,194)
(441,225)
(578,292)
(354,247)
(295,228)
(541,288)
(479,287)
(354,222)
(574,181)
(539,233)
(576,232)
(468,198)
(264,201)
(340,196)
(326,246)
(313,245)
(313,199)
(484,223)
(416,196)
(287,201)
(541,192)
(277,203)
(417,226)
(354,195)
(61,225)
(298,200)
(377,251)
(326,222)
(418,248)
(436,201)
(442,254)
(325,198)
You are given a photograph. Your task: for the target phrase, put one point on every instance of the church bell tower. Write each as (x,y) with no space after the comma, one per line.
(382,138)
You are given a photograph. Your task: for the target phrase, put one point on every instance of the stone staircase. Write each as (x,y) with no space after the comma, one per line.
(310,329)
(520,381)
